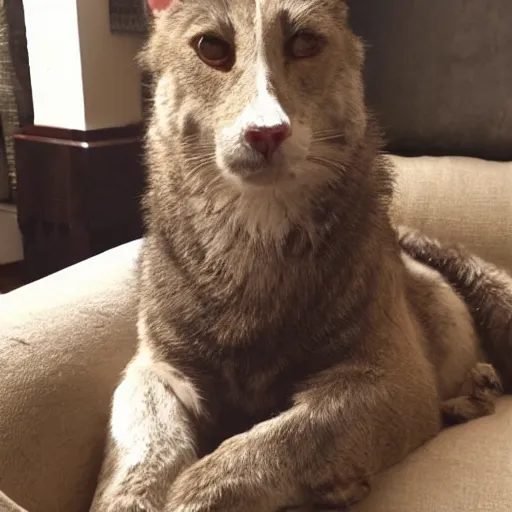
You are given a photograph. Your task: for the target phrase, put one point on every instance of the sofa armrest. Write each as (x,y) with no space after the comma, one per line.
(7,505)
(458,199)
(63,342)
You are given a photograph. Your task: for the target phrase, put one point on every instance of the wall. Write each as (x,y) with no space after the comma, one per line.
(83,77)
(111,77)
(11,249)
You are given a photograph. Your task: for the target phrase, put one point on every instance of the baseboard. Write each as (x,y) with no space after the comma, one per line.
(11,248)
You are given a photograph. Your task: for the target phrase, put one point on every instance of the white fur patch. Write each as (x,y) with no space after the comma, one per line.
(181,386)
(165,98)
(127,432)
(265,110)
(129,415)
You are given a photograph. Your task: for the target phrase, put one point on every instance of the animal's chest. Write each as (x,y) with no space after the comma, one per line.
(244,394)
(256,390)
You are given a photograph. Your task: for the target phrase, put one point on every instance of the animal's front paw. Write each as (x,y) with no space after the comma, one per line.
(482,382)
(200,493)
(480,391)
(212,484)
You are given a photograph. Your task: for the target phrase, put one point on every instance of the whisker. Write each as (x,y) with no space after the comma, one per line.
(198,153)
(196,146)
(328,163)
(195,170)
(328,137)
(195,139)
(199,158)
(323,133)
(200,166)
(195,143)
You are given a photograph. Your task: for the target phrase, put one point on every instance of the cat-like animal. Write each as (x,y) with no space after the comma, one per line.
(288,350)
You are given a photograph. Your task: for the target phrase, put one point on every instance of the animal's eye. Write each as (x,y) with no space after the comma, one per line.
(304,45)
(215,52)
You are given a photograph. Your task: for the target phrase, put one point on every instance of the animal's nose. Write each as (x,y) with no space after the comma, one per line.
(266,139)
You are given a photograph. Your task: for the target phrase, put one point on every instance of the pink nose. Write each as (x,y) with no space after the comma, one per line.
(266,139)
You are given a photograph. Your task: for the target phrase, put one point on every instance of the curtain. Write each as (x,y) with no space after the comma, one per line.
(16,108)
(128,16)
(131,16)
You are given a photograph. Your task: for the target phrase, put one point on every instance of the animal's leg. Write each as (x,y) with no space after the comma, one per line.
(321,453)
(151,439)
(479,393)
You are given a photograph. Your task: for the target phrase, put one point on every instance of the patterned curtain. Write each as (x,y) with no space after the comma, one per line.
(16,108)
(131,16)
(128,16)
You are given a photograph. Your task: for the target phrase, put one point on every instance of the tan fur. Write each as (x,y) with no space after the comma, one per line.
(452,344)
(287,352)
(486,290)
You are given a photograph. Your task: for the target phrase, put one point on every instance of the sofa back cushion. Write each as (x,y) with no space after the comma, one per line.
(439,74)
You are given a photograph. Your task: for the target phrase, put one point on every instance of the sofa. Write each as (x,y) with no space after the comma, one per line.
(65,339)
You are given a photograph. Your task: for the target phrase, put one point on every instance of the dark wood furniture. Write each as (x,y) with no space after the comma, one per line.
(11,277)
(78,193)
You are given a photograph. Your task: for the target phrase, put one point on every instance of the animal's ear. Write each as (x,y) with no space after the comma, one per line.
(161,5)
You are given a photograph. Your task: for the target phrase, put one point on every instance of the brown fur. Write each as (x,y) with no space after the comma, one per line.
(288,352)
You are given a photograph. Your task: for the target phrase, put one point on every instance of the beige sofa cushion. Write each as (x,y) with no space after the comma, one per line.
(7,505)
(458,199)
(63,342)
(465,469)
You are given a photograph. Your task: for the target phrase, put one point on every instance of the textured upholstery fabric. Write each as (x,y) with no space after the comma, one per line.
(65,340)
(439,74)
(458,199)
(63,343)
(464,469)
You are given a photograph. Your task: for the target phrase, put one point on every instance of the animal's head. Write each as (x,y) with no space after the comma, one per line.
(269,89)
